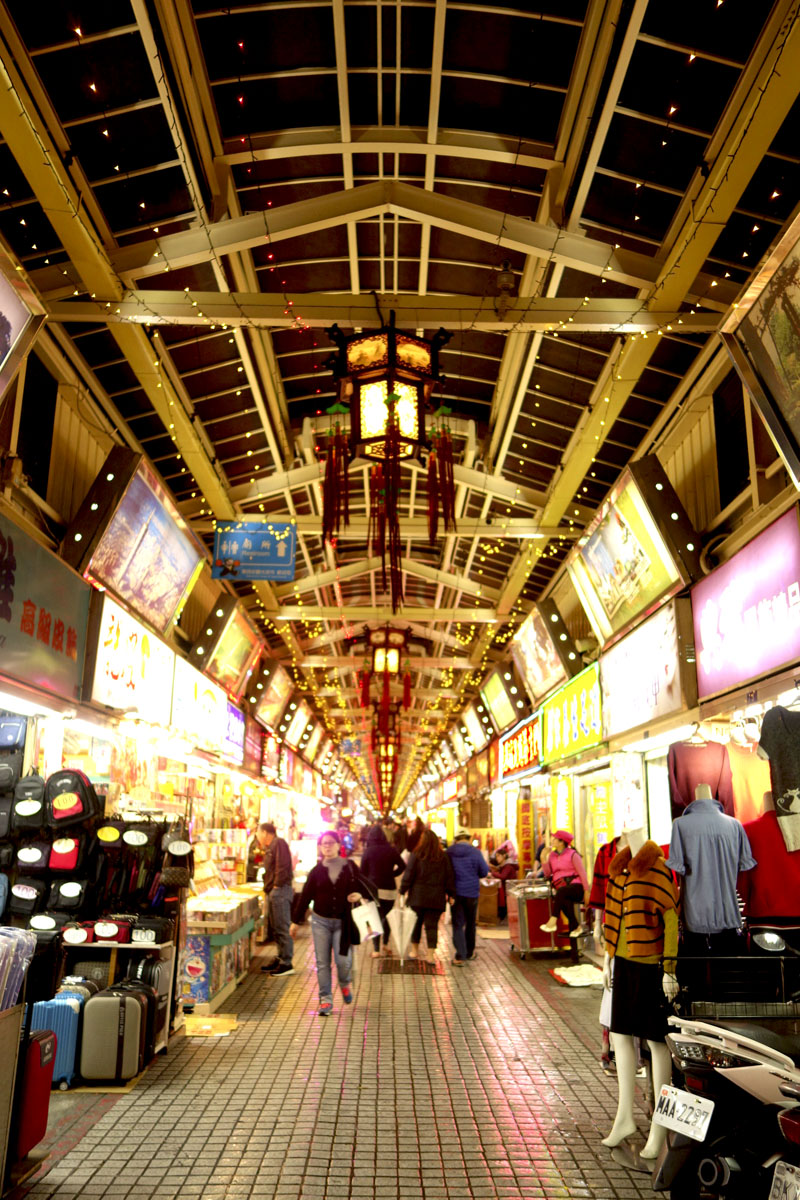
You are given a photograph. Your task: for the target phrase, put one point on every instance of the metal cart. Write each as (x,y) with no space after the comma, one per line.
(528,908)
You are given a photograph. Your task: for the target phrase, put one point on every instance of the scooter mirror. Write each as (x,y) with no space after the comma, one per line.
(769,941)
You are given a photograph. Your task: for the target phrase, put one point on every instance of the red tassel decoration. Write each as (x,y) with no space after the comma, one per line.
(377,516)
(446,481)
(392,501)
(433,493)
(407,690)
(385,705)
(336,485)
(365,682)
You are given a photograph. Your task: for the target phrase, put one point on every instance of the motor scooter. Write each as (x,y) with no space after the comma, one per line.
(733,1127)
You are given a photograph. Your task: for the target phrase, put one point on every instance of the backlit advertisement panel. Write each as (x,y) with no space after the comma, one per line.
(498,702)
(642,677)
(621,566)
(477,733)
(572,719)
(747,612)
(536,656)
(300,718)
(199,707)
(234,654)
(133,669)
(275,698)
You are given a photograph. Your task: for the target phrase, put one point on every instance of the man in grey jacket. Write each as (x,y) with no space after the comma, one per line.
(469,867)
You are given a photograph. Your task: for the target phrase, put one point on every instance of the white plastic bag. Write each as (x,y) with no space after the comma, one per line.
(401,922)
(367,919)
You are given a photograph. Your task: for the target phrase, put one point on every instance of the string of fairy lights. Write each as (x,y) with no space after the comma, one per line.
(464,634)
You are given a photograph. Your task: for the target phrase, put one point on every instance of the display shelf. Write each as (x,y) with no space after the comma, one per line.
(206,1007)
(215,964)
(121,946)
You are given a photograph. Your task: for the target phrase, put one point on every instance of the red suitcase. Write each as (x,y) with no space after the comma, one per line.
(40,1058)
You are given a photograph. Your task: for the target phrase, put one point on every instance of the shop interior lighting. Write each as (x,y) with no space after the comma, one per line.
(660,741)
(26,708)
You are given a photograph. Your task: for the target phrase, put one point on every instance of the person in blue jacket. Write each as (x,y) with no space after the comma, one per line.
(469,867)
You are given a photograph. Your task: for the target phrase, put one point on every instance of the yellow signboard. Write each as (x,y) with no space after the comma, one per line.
(561,803)
(572,719)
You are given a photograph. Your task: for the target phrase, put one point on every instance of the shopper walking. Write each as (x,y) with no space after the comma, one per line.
(381,864)
(278,875)
(504,869)
(428,880)
(469,868)
(332,886)
(414,834)
(564,867)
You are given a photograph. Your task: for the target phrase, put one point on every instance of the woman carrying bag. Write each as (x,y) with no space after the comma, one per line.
(381,864)
(429,881)
(333,885)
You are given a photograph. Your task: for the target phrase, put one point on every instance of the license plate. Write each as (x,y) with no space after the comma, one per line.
(683,1113)
(785,1182)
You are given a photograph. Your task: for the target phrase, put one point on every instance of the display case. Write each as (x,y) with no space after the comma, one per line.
(220,941)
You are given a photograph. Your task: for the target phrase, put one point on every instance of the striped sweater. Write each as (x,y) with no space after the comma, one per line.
(640,892)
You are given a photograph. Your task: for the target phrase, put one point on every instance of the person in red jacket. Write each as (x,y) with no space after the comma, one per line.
(504,871)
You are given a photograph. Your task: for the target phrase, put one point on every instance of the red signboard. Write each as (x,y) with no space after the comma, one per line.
(522,750)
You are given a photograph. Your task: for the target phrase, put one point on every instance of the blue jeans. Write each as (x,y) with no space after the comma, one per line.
(280,915)
(464,914)
(327,933)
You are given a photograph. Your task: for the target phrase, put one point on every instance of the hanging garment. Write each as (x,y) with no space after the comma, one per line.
(603,859)
(751,782)
(780,742)
(772,889)
(709,849)
(691,764)
(641,893)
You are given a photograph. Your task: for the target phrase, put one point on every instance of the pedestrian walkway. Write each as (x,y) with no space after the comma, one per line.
(483,1082)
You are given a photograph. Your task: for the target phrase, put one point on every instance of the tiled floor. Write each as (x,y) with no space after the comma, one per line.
(483,1082)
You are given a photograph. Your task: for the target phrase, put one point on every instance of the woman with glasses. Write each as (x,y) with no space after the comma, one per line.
(332,886)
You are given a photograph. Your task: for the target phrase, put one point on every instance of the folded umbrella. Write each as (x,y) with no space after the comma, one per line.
(401,922)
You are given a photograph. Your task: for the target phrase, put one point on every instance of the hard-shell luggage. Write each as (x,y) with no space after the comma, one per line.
(63,1016)
(37,1080)
(154,1021)
(81,985)
(114,1030)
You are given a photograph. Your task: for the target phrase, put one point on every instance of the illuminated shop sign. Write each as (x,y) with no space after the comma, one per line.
(646,676)
(537,657)
(434,798)
(561,810)
(199,707)
(253,739)
(233,743)
(747,612)
(453,786)
(572,719)
(521,750)
(133,669)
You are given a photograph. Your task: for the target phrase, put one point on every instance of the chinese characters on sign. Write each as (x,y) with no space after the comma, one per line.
(254,550)
(133,668)
(44,609)
(747,612)
(521,751)
(572,719)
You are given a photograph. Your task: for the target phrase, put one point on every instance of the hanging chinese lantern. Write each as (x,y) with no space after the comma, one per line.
(385,378)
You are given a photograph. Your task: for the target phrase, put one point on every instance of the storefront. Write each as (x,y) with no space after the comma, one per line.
(576,758)
(649,688)
(519,766)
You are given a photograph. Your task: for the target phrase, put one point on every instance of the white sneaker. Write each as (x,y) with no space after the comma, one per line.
(550,926)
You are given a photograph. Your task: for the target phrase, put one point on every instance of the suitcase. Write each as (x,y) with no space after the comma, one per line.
(63,1016)
(80,985)
(155,1020)
(152,931)
(37,1080)
(157,974)
(114,1030)
(94,968)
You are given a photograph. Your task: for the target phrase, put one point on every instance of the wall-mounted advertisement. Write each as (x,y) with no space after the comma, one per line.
(275,698)
(21,315)
(650,673)
(536,656)
(477,732)
(235,654)
(572,720)
(628,792)
(460,748)
(561,807)
(747,612)
(44,611)
(622,565)
(296,728)
(521,750)
(146,554)
(763,339)
(270,759)
(233,741)
(199,707)
(253,746)
(322,753)
(309,751)
(133,669)
(497,700)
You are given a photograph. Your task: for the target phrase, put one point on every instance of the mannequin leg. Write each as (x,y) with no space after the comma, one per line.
(662,1071)
(625,1055)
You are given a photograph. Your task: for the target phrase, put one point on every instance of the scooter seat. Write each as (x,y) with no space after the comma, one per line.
(784,1043)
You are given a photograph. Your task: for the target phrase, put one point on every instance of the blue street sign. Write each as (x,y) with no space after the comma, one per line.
(351,746)
(254,550)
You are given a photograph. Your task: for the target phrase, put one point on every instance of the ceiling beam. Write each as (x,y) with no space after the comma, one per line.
(354,662)
(388,197)
(358,612)
(361,569)
(308,144)
(524,314)
(412,528)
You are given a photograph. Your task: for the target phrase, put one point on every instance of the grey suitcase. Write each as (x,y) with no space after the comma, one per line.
(113,1042)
